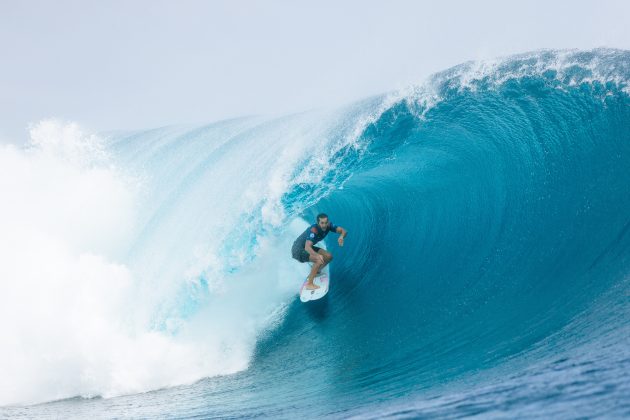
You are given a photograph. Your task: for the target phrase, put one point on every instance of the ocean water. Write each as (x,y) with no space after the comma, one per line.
(486,271)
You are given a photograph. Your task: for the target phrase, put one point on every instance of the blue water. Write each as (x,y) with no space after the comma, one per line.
(486,270)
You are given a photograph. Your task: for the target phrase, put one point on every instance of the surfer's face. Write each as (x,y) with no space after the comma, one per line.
(323,223)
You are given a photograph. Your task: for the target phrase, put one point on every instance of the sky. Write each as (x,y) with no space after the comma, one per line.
(141,64)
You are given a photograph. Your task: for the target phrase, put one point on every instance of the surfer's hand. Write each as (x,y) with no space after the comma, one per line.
(320,259)
(340,240)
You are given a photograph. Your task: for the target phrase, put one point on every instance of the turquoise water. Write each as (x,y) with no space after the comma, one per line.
(486,271)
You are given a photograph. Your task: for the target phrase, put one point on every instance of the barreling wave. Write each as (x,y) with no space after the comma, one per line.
(489,220)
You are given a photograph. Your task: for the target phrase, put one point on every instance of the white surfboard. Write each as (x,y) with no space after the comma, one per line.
(322,280)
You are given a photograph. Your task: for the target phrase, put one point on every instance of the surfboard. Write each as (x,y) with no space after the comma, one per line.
(322,280)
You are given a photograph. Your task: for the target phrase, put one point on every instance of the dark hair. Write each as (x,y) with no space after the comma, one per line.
(322,216)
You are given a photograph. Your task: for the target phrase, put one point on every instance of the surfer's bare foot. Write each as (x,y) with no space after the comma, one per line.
(311,286)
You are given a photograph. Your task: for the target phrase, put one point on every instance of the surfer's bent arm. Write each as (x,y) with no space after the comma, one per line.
(342,234)
(309,248)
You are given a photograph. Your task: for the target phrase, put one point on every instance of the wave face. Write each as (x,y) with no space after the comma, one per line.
(486,268)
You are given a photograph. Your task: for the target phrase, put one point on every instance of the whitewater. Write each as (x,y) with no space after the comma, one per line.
(148,273)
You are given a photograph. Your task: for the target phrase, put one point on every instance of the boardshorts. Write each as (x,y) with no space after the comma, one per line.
(299,253)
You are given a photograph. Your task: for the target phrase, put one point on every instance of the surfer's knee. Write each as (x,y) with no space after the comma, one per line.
(327,256)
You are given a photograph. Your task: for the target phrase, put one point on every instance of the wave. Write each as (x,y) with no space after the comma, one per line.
(488,218)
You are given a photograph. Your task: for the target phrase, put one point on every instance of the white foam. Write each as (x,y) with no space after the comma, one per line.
(69,307)
(81,314)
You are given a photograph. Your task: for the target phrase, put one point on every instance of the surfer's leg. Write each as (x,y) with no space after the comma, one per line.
(316,267)
(327,257)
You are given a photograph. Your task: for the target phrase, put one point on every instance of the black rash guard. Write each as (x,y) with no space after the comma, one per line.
(314,234)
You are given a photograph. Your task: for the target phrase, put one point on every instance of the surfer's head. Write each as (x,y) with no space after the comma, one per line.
(322,221)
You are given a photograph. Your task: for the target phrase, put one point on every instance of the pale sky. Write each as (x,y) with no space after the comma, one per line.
(127,64)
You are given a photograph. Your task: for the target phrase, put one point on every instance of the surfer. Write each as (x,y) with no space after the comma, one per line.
(304,248)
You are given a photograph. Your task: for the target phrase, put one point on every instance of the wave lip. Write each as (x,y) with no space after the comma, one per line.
(565,68)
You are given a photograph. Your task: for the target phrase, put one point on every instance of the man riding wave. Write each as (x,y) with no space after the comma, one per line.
(304,248)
